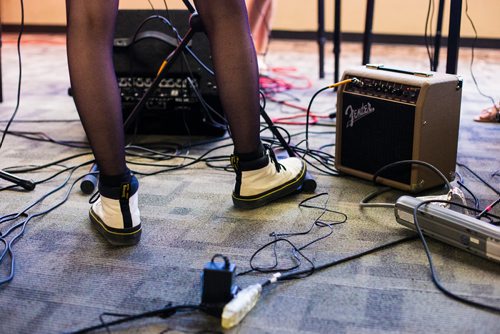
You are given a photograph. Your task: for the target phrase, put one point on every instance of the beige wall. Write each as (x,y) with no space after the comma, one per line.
(405,17)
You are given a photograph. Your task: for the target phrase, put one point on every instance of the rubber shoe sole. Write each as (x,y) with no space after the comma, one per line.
(256,201)
(115,236)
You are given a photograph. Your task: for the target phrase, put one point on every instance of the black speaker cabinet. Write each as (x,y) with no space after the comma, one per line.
(142,41)
(395,115)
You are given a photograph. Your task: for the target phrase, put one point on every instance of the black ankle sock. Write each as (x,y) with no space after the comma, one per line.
(114,180)
(252,155)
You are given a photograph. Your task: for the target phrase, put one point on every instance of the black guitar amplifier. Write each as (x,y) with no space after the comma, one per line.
(143,39)
(394,115)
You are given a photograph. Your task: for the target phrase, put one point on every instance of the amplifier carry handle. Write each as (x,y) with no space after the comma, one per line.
(397,70)
(126,42)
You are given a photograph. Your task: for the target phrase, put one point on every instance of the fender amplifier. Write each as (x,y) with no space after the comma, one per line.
(393,115)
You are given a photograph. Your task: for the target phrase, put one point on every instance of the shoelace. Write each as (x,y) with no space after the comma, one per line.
(272,155)
(95,196)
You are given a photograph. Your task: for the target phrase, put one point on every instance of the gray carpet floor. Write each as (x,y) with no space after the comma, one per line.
(66,275)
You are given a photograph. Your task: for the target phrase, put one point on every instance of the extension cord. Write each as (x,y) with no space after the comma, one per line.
(240,305)
(454,228)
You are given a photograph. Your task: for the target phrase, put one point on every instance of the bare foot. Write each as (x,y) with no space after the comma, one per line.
(491,114)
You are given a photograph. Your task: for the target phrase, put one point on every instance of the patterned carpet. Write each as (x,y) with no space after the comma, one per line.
(66,276)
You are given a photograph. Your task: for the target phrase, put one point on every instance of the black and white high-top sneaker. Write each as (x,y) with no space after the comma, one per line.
(116,214)
(265,179)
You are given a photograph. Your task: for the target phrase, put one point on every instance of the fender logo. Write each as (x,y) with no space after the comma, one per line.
(355,115)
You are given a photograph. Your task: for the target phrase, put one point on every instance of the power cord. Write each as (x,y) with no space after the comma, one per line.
(164,312)
(18,99)
(364,202)
(472,57)
(26,217)
(247,298)
(243,302)
(428,34)
(434,276)
(335,85)
(487,184)
(297,254)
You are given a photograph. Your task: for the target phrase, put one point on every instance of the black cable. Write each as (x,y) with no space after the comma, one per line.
(325,160)
(297,254)
(23,169)
(20,64)
(434,276)
(335,85)
(172,168)
(365,201)
(110,314)
(163,312)
(326,167)
(461,183)
(132,151)
(178,36)
(153,154)
(21,226)
(309,111)
(50,177)
(428,37)
(166,9)
(322,157)
(43,137)
(472,57)
(207,108)
(41,121)
(152,7)
(416,162)
(479,177)
(294,275)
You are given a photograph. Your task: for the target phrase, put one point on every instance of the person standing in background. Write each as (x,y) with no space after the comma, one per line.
(259,17)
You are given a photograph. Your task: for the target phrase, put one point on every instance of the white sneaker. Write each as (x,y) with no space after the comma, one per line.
(266,179)
(116,214)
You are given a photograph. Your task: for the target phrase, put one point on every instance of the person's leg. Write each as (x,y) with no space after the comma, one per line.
(259,177)
(89,45)
(235,63)
(259,16)
(90,34)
